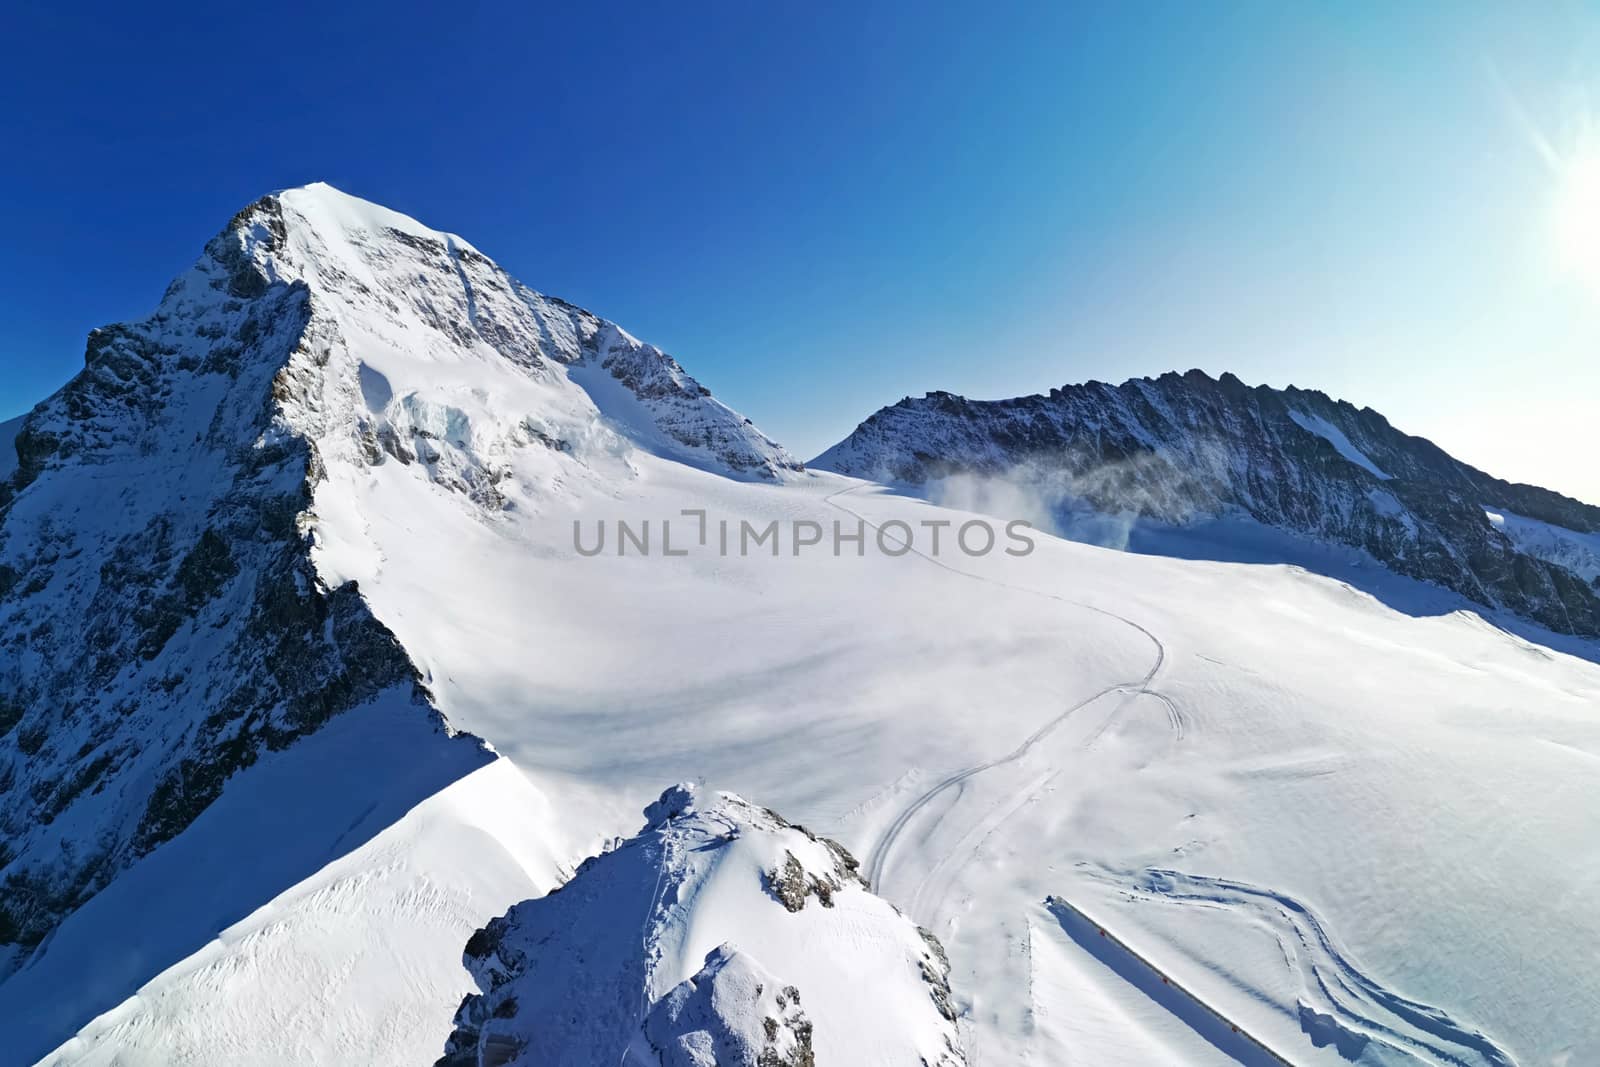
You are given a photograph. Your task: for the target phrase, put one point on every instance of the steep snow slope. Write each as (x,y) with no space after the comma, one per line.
(1341,444)
(1345,827)
(397,297)
(1181,449)
(380,853)
(720,935)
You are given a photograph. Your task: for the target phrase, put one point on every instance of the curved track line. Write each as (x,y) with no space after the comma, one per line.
(881,850)
(955,860)
(1338,999)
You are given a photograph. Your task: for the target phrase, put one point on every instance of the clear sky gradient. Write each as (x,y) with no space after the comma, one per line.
(821,208)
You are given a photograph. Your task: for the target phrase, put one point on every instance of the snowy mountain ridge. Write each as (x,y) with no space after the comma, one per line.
(1184,448)
(170,495)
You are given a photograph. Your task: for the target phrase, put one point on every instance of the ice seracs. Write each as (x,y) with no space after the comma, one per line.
(721,935)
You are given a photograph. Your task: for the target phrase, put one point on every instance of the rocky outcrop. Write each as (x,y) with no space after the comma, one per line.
(731,1013)
(719,935)
(1183,447)
(685,411)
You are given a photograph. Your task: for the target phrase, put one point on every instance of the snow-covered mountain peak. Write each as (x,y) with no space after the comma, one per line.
(721,934)
(394,300)
(181,523)
(328,210)
(298,227)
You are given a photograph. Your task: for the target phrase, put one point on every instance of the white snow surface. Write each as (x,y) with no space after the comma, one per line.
(1334,436)
(348,966)
(988,735)
(675,947)
(1112,709)
(1347,796)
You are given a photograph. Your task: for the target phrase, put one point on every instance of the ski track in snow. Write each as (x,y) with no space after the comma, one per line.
(1339,1003)
(1000,813)
(1132,690)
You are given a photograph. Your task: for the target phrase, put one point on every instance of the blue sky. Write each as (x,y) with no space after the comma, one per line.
(820,209)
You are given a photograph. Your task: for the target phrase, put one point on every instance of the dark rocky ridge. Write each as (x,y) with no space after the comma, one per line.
(1178,447)
(159,634)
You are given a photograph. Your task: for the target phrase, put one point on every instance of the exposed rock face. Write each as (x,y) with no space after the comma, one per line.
(720,935)
(160,621)
(683,408)
(1177,448)
(164,618)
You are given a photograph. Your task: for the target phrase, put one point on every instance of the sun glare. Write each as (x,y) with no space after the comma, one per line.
(1577,218)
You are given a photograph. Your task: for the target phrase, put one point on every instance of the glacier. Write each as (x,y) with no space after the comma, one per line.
(1265,780)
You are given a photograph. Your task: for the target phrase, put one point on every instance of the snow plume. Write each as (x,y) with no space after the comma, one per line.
(1081,499)
(1013,495)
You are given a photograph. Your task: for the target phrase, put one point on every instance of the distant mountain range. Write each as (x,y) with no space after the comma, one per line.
(1181,448)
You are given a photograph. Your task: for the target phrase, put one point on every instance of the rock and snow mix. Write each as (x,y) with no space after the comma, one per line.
(1187,449)
(173,609)
(322,504)
(1577,551)
(161,620)
(719,936)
